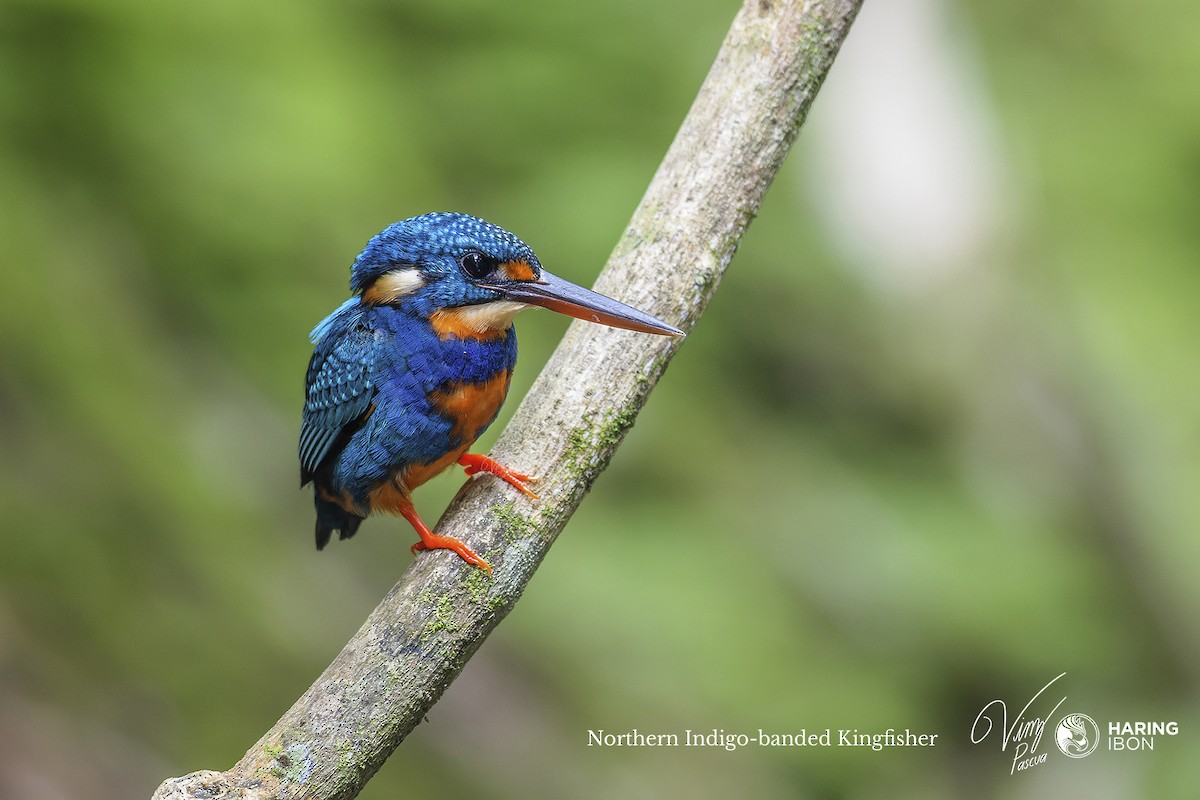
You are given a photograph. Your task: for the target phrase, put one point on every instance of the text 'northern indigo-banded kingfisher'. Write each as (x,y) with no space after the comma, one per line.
(408,372)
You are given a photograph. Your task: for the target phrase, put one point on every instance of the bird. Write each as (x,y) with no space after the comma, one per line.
(412,369)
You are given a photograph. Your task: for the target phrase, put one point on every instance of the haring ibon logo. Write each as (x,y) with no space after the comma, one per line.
(1077,735)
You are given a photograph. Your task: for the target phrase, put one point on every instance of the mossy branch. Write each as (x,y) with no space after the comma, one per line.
(669,262)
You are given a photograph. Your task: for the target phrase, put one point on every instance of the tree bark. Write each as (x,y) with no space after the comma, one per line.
(668,262)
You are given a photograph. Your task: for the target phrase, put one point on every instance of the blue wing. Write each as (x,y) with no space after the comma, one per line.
(340,385)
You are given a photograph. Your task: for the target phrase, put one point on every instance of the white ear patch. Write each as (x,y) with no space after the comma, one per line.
(391,286)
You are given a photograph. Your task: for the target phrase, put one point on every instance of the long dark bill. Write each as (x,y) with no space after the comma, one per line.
(556,294)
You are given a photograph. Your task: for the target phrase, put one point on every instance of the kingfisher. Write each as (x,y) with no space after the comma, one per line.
(413,368)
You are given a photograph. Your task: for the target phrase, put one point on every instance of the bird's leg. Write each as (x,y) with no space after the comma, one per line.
(431,541)
(476,463)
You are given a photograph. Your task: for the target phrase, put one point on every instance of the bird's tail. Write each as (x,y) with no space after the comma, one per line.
(332,517)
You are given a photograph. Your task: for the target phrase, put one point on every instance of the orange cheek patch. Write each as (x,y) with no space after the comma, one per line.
(449,322)
(487,321)
(518,271)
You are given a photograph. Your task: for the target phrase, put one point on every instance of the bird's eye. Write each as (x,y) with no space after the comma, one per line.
(476,265)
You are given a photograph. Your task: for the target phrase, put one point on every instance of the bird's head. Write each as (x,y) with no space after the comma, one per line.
(469,277)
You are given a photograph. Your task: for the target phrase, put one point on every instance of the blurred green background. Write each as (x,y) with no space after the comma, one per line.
(935,442)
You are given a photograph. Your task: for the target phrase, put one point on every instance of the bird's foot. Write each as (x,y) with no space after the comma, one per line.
(432,541)
(436,542)
(476,463)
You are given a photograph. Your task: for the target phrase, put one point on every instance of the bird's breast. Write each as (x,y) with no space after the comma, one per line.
(469,408)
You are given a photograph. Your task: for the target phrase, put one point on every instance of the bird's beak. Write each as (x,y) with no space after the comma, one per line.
(552,292)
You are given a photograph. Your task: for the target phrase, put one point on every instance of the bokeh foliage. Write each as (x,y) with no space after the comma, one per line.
(844,507)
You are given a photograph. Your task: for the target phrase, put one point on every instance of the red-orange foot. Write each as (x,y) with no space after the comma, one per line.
(435,542)
(476,463)
(432,541)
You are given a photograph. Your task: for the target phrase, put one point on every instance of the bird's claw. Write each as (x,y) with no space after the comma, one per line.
(435,542)
(477,464)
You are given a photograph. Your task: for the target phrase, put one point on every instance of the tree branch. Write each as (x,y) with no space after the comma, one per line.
(669,261)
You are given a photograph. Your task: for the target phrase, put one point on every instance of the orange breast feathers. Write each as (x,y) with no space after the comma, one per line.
(470,407)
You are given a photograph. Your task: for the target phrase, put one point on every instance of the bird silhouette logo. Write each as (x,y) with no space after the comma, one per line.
(1077,735)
